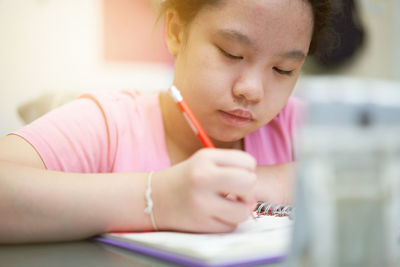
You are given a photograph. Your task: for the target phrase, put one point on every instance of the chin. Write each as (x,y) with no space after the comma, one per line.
(228,133)
(228,136)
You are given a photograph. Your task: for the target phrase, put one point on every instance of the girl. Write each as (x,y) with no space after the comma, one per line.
(95,164)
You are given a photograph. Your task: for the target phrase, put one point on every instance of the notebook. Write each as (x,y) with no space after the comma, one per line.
(259,240)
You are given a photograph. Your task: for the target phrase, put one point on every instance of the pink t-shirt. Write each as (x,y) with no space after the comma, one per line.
(123,132)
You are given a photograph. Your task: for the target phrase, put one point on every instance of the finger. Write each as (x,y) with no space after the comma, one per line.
(232,212)
(238,182)
(233,158)
(230,196)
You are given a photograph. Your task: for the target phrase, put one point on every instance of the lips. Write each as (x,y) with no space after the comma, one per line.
(237,117)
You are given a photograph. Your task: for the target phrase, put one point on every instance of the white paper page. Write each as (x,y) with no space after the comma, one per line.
(266,235)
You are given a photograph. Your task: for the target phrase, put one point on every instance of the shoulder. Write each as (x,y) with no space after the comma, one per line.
(112,99)
(122,105)
(134,130)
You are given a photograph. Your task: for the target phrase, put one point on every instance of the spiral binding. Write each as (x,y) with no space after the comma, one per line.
(270,209)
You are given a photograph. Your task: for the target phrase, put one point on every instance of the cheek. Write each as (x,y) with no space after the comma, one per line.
(210,67)
(275,99)
(207,76)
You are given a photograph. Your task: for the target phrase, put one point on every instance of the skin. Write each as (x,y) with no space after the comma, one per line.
(254,74)
(38,205)
(251,81)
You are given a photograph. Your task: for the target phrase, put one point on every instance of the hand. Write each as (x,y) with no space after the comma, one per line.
(191,196)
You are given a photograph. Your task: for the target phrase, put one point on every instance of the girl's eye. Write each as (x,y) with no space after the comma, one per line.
(283,72)
(229,55)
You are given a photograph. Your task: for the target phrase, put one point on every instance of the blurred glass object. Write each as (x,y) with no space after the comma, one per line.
(348,191)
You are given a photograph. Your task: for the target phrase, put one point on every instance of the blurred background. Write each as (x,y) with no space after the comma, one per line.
(52,50)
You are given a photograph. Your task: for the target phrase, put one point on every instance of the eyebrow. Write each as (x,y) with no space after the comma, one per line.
(235,35)
(295,54)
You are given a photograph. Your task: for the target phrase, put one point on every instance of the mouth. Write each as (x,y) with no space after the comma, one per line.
(237,117)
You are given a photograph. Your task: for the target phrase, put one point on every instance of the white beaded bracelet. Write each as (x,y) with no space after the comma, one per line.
(149,201)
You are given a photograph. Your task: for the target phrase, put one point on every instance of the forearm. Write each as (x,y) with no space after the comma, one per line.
(39,205)
(275,183)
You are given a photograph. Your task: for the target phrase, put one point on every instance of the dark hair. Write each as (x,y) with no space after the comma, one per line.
(321,11)
(188,9)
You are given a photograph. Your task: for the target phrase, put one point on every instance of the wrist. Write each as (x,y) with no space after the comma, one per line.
(166,207)
(149,201)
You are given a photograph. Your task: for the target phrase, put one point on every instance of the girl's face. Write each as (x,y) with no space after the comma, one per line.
(237,62)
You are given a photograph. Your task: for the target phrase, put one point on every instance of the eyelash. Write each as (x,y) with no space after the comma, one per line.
(230,56)
(283,72)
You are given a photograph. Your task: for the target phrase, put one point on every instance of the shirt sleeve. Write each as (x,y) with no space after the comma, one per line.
(72,138)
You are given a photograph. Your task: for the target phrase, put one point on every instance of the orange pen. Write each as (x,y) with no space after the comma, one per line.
(190,118)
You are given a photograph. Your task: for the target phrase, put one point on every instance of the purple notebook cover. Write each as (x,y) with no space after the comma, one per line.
(185,260)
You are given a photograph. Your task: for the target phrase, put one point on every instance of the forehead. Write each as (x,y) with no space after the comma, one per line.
(284,24)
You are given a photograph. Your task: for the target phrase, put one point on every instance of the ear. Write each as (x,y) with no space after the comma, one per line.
(174,32)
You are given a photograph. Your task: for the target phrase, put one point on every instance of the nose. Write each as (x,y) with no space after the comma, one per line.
(249,87)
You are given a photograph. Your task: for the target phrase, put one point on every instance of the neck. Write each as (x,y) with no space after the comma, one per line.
(180,139)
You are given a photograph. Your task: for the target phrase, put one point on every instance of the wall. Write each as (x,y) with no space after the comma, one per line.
(57,46)
(396,34)
(131,34)
(377,59)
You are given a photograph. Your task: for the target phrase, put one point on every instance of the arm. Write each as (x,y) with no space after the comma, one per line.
(275,183)
(40,205)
